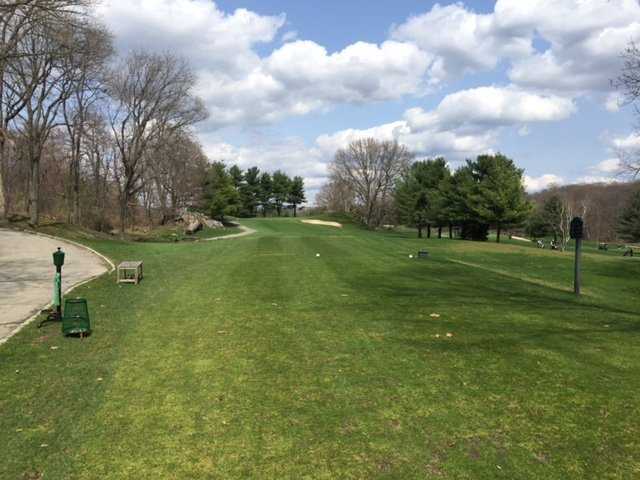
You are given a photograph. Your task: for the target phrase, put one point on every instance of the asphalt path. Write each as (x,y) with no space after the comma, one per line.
(27,272)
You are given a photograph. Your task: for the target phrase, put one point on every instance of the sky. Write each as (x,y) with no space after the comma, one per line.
(288,82)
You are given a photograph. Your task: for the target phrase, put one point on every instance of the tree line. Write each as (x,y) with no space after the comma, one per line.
(381,183)
(232,191)
(605,208)
(101,138)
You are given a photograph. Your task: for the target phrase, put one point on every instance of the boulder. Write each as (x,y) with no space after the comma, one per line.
(194,227)
(213,223)
(192,218)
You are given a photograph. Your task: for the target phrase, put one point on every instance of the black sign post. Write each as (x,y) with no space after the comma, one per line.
(577,233)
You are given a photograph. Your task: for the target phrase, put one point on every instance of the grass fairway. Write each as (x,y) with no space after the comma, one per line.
(253,358)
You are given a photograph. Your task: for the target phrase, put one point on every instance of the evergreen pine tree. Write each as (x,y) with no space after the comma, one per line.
(281,188)
(265,193)
(498,197)
(296,194)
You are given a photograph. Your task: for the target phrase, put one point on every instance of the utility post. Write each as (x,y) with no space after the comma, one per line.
(577,233)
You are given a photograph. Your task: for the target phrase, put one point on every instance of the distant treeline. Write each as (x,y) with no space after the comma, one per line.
(231,191)
(601,205)
(381,183)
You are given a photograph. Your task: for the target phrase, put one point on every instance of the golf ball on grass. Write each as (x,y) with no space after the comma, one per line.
(410,256)
(317,254)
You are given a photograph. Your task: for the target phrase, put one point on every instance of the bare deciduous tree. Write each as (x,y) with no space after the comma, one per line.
(85,64)
(336,197)
(151,97)
(40,77)
(370,169)
(629,83)
(177,169)
(99,151)
(20,19)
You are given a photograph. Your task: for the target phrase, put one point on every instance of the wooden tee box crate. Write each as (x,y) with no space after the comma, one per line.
(129,272)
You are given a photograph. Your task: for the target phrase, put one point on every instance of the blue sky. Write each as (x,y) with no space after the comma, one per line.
(289,82)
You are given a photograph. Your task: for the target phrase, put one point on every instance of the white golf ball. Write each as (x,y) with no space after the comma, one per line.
(317,254)
(410,256)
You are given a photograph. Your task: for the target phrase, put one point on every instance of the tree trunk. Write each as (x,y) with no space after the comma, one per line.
(3,205)
(295,210)
(76,195)
(124,201)
(75,167)
(450,231)
(429,231)
(162,197)
(439,231)
(420,232)
(34,189)
(498,231)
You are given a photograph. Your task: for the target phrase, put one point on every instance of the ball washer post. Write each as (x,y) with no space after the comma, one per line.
(56,314)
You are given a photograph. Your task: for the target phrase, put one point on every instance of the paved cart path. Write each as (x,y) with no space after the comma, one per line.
(26,275)
(246,231)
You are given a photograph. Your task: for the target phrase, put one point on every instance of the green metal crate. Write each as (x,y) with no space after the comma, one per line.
(75,318)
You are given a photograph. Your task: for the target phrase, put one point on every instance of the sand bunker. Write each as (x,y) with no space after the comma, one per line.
(320,222)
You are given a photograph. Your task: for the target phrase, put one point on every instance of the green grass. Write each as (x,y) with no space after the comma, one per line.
(253,358)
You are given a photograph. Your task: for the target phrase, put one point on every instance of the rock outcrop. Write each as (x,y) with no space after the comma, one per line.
(195,221)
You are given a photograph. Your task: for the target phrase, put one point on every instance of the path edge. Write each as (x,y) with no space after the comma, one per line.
(246,231)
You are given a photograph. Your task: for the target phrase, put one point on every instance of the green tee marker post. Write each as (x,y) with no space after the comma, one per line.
(577,233)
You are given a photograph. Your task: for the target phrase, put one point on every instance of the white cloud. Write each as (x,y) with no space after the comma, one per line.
(492,106)
(289,36)
(614,102)
(606,171)
(296,77)
(610,169)
(596,179)
(611,165)
(584,39)
(301,77)
(453,145)
(460,41)
(524,131)
(628,143)
(464,124)
(196,29)
(537,184)
(360,72)
(242,88)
